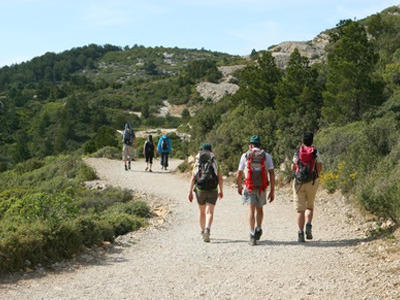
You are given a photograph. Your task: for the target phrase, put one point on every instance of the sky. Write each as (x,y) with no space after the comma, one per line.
(30,28)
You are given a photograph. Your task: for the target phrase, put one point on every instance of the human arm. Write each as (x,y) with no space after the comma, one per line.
(190,197)
(239,183)
(271,195)
(319,167)
(221,186)
(240,174)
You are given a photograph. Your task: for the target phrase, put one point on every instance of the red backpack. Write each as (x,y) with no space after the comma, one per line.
(305,169)
(256,177)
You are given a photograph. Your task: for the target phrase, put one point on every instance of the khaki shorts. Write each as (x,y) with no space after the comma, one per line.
(304,195)
(204,197)
(127,152)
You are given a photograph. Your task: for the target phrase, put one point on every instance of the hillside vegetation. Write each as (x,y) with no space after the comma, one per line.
(351,100)
(57,102)
(57,107)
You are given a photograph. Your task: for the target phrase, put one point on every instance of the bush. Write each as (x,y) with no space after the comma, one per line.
(46,214)
(108,152)
(123,223)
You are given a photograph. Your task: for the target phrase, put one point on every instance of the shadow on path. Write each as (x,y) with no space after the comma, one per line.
(318,243)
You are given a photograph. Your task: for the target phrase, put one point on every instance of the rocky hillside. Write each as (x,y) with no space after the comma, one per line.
(226,86)
(314,50)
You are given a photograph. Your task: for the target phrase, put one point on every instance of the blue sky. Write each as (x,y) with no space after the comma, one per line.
(29,28)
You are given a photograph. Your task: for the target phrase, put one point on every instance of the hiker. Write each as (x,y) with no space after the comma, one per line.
(206,178)
(164,148)
(307,166)
(149,152)
(128,139)
(257,166)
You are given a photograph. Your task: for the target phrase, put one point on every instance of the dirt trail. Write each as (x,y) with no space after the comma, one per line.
(172,262)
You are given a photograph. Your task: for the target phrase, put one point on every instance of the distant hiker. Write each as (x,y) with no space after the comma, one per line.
(164,148)
(307,166)
(149,152)
(128,139)
(256,165)
(206,178)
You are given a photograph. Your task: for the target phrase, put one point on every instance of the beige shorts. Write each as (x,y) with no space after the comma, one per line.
(304,195)
(127,152)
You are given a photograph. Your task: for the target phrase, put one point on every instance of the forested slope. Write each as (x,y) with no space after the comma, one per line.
(351,100)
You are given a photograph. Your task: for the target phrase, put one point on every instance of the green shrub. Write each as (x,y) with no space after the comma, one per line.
(93,230)
(123,223)
(134,208)
(108,152)
(183,167)
(29,165)
(86,173)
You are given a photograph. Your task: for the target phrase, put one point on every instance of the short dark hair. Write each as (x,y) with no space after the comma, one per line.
(257,145)
(308,138)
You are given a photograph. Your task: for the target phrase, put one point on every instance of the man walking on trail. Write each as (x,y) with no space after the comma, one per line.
(164,148)
(206,178)
(307,166)
(128,139)
(257,166)
(149,152)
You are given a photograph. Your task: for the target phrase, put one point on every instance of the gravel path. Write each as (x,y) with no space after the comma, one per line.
(172,262)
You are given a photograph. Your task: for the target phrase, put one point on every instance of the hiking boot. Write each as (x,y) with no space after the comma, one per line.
(300,237)
(309,232)
(253,240)
(126,168)
(206,235)
(257,234)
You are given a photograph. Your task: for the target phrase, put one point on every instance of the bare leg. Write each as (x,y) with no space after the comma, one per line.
(210,214)
(300,220)
(252,220)
(202,218)
(309,215)
(260,216)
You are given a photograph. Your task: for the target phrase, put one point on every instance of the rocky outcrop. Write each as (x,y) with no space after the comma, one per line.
(314,50)
(226,86)
(215,91)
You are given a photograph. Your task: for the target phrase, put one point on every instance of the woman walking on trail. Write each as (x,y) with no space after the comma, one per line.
(149,152)
(206,178)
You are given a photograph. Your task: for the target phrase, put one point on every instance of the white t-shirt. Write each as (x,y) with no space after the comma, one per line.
(269,165)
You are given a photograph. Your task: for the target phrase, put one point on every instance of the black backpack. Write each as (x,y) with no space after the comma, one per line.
(149,147)
(206,178)
(164,144)
(127,137)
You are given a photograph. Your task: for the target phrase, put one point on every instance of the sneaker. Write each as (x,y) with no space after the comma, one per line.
(253,240)
(165,168)
(150,170)
(309,232)
(257,234)
(126,168)
(300,237)
(146,169)
(206,235)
